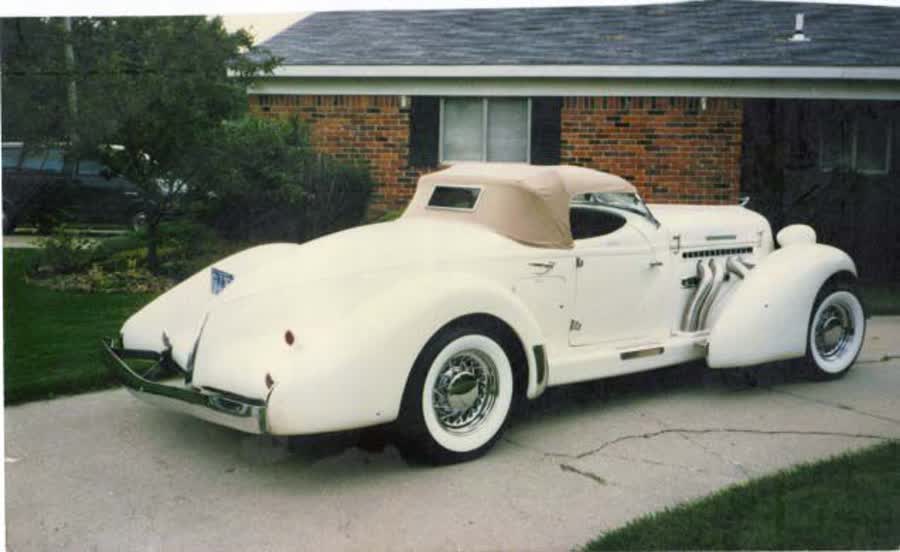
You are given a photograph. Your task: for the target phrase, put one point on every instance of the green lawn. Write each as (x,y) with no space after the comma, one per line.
(52,338)
(844,503)
(881,298)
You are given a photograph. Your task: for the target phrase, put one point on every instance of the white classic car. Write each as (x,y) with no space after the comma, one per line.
(498,281)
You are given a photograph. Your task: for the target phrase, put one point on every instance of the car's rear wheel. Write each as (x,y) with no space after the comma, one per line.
(458,397)
(837,328)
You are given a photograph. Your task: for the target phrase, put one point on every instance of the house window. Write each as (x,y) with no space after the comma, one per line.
(861,144)
(485,129)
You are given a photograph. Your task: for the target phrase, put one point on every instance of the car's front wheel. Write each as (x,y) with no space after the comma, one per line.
(458,397)
(837,328)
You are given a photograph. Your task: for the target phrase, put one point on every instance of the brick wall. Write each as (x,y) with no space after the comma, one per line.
(372,129)
(672,149)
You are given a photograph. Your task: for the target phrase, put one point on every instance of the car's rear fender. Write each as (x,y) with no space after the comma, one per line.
(767,317)
(355,373)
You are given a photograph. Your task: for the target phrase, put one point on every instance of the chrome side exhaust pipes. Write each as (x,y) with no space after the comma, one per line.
(711,275)
(691,314)
(718,271)
(736,266)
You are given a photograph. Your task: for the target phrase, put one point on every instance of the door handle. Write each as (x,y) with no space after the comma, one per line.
(546,266)
(654,264)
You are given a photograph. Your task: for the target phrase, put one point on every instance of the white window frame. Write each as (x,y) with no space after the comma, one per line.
(854,137)
(484,130)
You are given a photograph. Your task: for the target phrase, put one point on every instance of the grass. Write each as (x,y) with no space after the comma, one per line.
(881,298)
(847,502)
(52,338)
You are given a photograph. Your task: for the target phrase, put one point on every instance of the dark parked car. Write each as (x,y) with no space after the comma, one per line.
(41,187)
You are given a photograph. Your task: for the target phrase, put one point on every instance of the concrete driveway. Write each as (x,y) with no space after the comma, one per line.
(103,471)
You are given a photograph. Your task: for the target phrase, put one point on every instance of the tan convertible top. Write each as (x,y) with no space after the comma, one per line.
(528,203)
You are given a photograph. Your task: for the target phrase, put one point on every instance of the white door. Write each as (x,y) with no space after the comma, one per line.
(619,282)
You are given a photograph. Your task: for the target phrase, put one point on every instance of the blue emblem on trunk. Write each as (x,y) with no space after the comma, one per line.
(220,279)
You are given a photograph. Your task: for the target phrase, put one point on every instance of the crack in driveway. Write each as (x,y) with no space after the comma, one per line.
(696,431)
(590,475)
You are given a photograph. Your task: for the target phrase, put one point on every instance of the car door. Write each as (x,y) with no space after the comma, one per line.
(618,281)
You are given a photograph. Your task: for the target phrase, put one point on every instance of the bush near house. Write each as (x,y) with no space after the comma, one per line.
(262,181)
(849,502)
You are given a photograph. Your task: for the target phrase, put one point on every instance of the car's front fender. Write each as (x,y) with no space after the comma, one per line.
(767,317)
(355,373)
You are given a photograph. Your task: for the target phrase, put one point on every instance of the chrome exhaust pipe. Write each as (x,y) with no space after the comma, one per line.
(718,277)
(711,277)
(689,319)
(736,266)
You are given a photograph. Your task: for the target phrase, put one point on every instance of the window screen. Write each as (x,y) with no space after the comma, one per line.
(835,144)
(858,143)
(873,138)
(485,129)
(507,130)
(463,129)
(454,197)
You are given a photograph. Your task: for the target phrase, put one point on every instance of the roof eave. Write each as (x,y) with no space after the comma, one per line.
(792,72)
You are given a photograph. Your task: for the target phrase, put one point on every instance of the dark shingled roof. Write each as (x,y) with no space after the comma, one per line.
(717,32)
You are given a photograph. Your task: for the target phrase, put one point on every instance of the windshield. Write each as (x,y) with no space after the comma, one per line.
(617,200)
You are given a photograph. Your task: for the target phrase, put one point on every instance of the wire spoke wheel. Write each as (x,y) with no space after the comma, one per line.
(459,396)
(465,391)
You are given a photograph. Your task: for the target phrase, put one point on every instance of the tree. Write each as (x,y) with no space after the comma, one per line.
(263,181)
(150,89)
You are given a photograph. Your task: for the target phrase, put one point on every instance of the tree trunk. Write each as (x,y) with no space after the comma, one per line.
(71,90)
(152,245)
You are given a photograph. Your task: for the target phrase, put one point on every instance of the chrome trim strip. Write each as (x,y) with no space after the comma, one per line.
(241,413)
(641,353)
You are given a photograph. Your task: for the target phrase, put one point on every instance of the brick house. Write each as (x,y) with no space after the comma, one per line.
(692,102)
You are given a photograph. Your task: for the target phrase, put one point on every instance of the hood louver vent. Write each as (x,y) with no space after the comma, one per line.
(717,252)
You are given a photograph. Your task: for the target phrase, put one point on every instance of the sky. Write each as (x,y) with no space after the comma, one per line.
(262,26)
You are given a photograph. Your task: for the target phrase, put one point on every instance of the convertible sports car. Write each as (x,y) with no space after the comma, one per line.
(498,281)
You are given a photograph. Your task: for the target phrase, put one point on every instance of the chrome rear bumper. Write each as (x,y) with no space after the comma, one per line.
(241,413)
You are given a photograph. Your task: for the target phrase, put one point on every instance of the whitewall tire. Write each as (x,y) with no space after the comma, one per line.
(458,397)
(837,329)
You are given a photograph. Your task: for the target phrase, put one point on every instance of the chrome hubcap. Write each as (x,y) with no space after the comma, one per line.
(834,331)
(465,391)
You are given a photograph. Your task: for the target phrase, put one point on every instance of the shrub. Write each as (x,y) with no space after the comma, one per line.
(261,181)
(337,196)
(63,252)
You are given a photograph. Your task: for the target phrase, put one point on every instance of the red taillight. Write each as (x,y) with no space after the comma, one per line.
(289,337)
